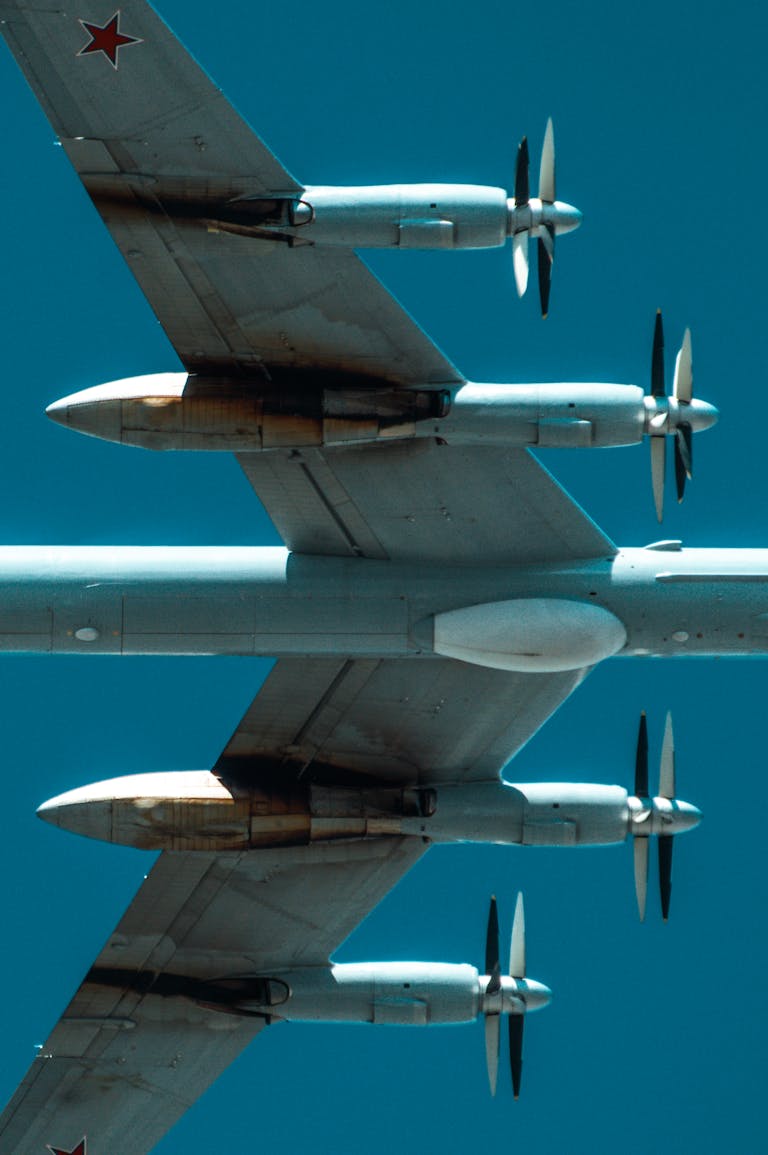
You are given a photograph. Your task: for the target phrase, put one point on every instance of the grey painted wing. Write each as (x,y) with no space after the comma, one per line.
(403,721)
(164,157)
(140,1041)
(422,501)
(147,104)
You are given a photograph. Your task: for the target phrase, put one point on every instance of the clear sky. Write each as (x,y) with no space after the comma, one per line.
(655,1040)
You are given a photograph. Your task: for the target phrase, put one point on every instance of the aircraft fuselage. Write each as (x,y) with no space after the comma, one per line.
(267,601)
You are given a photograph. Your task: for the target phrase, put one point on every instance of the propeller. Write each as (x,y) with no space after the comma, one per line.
(665,815)
(542,217)
(678,414)
(512,995)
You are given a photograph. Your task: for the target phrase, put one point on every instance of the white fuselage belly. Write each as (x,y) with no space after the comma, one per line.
(266,601)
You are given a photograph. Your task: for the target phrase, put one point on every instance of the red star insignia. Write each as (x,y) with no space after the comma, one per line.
(79,1150)
(107,40)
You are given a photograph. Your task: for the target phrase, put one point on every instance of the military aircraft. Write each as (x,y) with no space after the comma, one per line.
(440,595)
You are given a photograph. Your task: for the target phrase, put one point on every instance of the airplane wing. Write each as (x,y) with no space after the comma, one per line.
(156,1019)
(402,721)
(423,501)
(164,157)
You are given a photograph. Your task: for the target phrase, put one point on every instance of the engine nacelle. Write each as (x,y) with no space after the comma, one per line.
(197,810)
(399,993)
(177,411)
(395,993)
(412,216)
(527,814)
(406,216)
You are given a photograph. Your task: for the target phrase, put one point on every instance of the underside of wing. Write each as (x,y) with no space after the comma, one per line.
(194,200)
(420,500)
(164,1009)
(118,79)
(403,722)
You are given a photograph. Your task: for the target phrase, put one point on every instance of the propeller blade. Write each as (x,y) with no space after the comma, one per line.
(517,947)
(546,253)
(684,441)
(680,471)
(683,457)
(640,849)
(658,387)
(516,1051)
(492,1042)
(641,759)
(522,180)
(683,384)
(665,873)
(658,472)
(492,964)
(547,169)
(667,768)
(520,261)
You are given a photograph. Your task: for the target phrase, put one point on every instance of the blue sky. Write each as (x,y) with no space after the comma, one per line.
(655,1038)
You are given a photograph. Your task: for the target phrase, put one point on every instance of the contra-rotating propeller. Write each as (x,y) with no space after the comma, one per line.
(543,217)
(665,815)
(679,414)
(513,995)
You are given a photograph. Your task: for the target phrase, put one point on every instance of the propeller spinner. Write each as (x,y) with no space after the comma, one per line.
(513,995)
(543,217)
(665,815)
